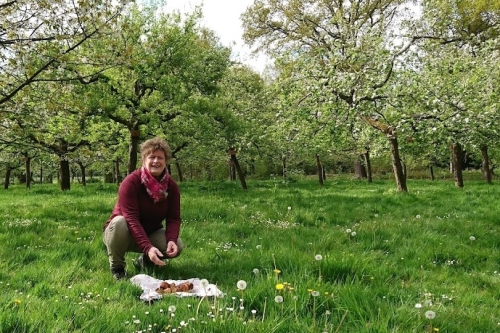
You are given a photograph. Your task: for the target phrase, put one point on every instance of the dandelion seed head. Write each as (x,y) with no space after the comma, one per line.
(315,293)
(318,257)
(256,271)
(418,306)
(171,308)
(241,284)
(204,283)
(348,231)
(430,315)
(278,299)
(472,238)
(353,234)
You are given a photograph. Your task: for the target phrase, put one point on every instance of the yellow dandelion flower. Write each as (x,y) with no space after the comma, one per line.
(17,301)
(280,286)
(291,288)
(326,293)
(436,329)
(309,290)
(277,271)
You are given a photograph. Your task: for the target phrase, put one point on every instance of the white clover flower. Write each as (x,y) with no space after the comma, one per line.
(430,315)
(278,299)
(418,306)
(241,284)
(289,208)
(318,257)
(254,311)
(472,238)
(256,271)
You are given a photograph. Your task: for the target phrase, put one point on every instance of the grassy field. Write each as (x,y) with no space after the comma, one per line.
(345,257)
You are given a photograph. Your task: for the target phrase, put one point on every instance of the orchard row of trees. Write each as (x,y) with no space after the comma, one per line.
(83,84)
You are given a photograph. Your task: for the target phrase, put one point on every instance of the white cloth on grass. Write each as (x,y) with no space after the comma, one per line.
(149,284)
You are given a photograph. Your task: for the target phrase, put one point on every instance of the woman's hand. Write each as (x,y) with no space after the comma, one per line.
(172,249)
(154,255)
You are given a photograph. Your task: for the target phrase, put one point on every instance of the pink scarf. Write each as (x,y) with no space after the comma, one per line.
(157,190)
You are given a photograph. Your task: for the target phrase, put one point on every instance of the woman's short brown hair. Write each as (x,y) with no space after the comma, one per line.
(151,145)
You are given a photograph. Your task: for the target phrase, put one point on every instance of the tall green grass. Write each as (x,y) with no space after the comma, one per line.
(382,255)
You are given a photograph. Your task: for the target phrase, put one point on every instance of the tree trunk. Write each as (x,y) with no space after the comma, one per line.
(27,163)
(452,165)
(396,165)
(179,171)
(283,165)
(232,170)
(320,170)
(134,143)
(431,170)
(368,165)
(486,164)
(8,171)
(232,153)
(65,176)
(457,165)
(41,174)
(82,170)
(359,168)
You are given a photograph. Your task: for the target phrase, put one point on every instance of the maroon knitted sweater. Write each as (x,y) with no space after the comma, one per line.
(143,216)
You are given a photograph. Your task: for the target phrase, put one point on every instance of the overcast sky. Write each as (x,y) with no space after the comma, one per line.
(223,17)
